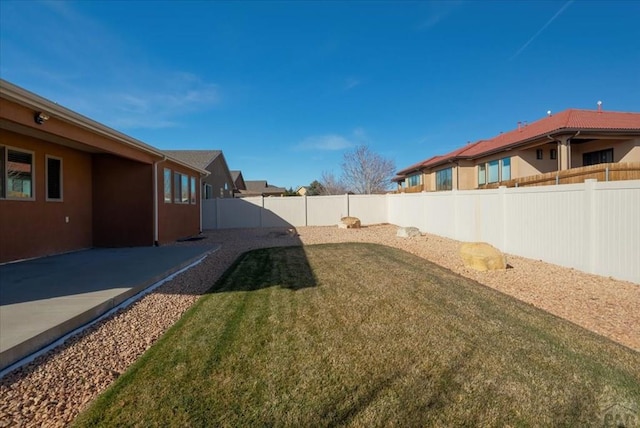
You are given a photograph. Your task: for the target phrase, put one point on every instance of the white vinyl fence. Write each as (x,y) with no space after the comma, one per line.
(593,226)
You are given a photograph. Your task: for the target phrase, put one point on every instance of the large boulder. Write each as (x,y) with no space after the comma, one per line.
(482,256)
(408,232)
(349,223)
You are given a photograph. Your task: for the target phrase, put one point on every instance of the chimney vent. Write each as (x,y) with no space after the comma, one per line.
(519,126)
(599,106)
(549,113)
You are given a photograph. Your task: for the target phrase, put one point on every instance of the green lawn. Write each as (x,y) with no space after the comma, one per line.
(366,335)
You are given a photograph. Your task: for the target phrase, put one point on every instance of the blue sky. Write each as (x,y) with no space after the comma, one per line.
(285,88)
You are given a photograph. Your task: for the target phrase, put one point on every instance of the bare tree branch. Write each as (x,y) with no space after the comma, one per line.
(366,172)
(331,185)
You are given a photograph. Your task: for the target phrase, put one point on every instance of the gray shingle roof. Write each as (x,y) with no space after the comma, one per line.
(261,187)
(197,158)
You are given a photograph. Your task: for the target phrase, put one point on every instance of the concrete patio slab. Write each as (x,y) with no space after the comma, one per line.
(43,299)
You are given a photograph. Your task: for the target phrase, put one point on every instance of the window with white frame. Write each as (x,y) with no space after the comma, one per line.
(193,190)
(482,174)
(167,185)
(184,187)
(493,171)
(54,178)
(177,187)
(506,169)
(413,180)
(17,172)
(444,179)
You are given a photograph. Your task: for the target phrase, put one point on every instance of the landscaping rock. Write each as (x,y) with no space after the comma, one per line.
(408,232)
(349,223)
(482,256)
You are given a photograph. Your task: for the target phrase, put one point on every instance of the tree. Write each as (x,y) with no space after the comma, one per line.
(331,185)
(290,192)
(366,172)
(315,188)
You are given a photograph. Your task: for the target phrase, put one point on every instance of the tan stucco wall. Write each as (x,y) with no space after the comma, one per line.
(430,181)
(35,228)
(524,162)
(219,176)
(623,150)
(633,155)
(466,176)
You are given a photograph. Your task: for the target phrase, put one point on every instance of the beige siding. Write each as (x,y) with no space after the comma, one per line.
(528,164)
(623,150)
(467,175)
(633,155)
(219,177)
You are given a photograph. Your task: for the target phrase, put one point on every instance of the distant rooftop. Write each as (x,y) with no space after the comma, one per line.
(571,120)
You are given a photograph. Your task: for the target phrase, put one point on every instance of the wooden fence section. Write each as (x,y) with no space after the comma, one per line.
(412,189)
(600,172)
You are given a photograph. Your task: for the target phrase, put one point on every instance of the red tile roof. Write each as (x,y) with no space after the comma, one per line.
(566,121)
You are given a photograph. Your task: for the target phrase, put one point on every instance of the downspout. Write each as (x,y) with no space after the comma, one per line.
(568,150)
(156,201)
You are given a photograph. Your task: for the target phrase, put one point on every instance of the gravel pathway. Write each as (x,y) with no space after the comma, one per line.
(55,387)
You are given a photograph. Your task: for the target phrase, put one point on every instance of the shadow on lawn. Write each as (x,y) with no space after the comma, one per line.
(284,267)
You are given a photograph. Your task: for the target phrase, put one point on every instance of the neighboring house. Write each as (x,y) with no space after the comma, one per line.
(238,182)
(219,182)
(550,146)
(69,183)
(261,188)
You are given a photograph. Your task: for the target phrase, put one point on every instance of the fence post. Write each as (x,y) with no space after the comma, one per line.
(261,209)
(348,210)
(217,211)
(306,211)
(502,191)
(456,217)
(590,223)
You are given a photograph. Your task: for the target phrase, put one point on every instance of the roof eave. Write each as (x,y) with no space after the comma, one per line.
(550,137)
(26,98)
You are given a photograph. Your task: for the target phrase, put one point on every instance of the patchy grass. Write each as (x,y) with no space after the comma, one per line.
(366,335)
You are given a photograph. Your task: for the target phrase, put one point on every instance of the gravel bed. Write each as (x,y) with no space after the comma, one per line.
(55,387)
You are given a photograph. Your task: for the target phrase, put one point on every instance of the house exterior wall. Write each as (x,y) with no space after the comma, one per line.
(122,202)
(177,220)
(83,138)
(37,227)
(467,175)
(527,164)
(106,183)
(633,155)
(623,150)
(219,179)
